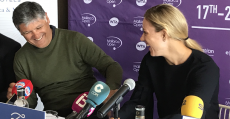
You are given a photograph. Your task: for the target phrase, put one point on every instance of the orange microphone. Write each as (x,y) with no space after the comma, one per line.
(192,107)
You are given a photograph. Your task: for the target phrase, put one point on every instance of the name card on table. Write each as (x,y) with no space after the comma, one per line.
(8,111)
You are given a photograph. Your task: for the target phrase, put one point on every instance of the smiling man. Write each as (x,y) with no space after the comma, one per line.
(37,32)
(58,62)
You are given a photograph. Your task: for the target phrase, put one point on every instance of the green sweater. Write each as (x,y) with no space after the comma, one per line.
(63,70)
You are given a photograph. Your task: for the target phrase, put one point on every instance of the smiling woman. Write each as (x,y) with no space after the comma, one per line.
(174,68)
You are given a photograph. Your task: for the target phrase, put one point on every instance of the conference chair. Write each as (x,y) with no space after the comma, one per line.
(226,109)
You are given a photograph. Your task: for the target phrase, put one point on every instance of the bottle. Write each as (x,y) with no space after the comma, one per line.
(21,101)
(140,112)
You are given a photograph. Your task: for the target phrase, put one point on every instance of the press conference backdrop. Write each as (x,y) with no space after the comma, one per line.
(116,27)
(8,29)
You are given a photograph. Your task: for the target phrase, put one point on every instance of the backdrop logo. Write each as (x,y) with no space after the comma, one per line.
(113,21)
(114,42)
(136,66)
(138,21)
(88,19)
(227,53)
(87,1)
(141,2)
(90,38)
(114,2)
(141,46)
(175,3)
(209,52)
(227,102)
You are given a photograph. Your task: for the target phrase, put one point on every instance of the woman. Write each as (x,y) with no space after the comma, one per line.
(174,67)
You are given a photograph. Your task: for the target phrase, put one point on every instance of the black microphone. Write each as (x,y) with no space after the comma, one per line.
(128,85)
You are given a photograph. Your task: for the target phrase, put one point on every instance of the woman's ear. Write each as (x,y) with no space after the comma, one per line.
(164,35)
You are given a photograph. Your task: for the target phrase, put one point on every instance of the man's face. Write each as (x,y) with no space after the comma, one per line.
(37,32)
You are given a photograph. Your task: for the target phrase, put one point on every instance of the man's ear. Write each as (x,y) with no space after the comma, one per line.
(47,18)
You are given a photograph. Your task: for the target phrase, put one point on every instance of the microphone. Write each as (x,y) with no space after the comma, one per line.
(78,104)
(128,85)
(23,83)
(192,107)
(97,94)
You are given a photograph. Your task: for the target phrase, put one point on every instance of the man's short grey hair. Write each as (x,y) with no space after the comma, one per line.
(27,12)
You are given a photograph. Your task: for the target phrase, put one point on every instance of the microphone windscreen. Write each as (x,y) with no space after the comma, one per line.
(98,93)
(130,82)
(23,83)
(79,102)
(192,106)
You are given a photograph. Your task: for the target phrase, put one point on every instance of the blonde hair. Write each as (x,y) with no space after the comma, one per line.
(171,19)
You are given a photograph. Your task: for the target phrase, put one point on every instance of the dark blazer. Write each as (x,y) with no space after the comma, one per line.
(8,48)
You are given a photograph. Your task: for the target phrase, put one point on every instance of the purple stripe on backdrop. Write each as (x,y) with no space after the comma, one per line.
(115,26)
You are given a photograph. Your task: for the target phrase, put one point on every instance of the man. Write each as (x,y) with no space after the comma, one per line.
(8,48)
(58,62)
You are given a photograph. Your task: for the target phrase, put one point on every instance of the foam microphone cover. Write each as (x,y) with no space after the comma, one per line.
(80,102)
(192,106)
(98,93)
(23,83)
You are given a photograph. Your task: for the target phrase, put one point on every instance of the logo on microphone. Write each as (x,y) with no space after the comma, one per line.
(88,19)
(98,88)
(175,3)
(27,91)
(82,100)
(138,21)
(201,107)
(113,21)
(141,46)
(20,84)
(114,42)
(184,102)
(87,1)
(114,2)
(90,111)
(141,2)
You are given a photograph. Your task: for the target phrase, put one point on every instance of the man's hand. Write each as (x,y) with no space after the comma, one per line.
(110,95)
(9,92)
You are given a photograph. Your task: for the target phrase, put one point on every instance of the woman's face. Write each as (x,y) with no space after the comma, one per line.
(153,39)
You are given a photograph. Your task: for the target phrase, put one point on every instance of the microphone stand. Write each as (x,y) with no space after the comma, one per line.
(115,108)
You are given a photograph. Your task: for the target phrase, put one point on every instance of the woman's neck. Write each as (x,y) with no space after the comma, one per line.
(177,55)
